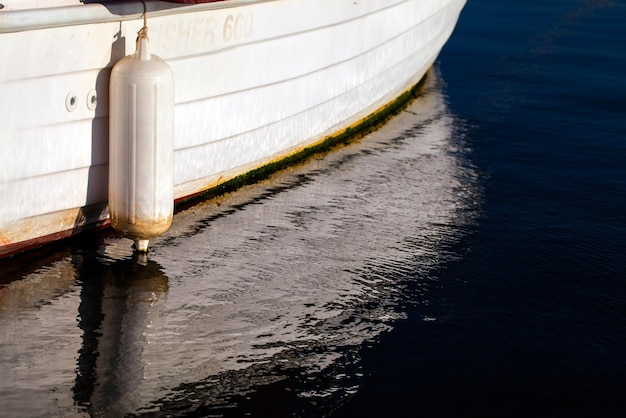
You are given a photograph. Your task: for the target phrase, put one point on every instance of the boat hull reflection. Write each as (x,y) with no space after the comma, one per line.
(267,292)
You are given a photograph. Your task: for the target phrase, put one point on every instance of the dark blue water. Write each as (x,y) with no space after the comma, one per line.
(466,260)
(531,319)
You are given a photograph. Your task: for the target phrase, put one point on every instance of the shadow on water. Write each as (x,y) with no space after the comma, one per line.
(257,303)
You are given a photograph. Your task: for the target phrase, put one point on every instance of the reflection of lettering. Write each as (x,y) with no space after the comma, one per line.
(237,27)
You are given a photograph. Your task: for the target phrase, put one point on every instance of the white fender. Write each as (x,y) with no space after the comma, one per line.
(141,145)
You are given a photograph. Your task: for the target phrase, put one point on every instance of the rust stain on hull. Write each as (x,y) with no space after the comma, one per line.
(34,232)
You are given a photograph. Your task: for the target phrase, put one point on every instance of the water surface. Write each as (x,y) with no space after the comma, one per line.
(256,302)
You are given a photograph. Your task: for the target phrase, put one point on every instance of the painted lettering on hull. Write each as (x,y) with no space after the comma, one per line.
(187,34)
(238,27)
(200,33)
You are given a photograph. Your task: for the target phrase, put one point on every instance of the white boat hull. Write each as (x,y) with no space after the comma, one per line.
(255,82)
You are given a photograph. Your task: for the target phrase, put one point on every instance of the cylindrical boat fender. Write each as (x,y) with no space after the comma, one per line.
(141,145)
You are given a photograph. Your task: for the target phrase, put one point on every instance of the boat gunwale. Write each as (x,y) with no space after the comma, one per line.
(94,12)
(103,11)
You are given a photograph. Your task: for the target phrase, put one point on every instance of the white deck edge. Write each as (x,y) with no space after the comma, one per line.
(102,12)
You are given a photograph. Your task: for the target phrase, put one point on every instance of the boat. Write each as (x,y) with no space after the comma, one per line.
(256,82)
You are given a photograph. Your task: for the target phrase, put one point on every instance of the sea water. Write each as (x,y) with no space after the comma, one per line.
(466,259)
